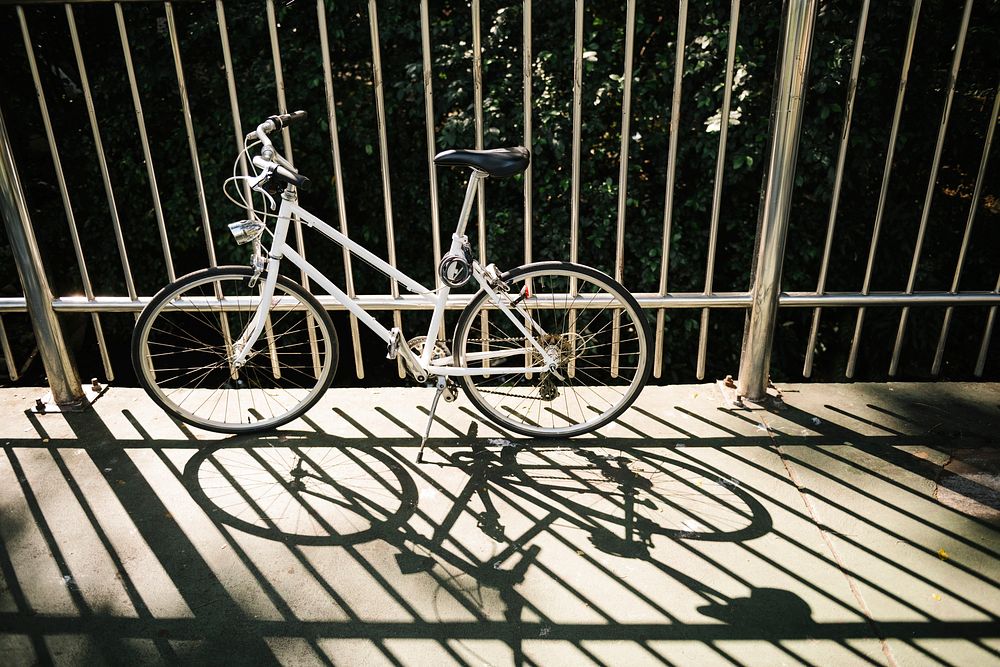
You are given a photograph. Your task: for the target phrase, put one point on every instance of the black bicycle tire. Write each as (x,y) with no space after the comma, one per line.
(246,272)
(472,308)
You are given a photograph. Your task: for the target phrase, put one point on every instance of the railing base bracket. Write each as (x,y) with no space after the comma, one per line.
(728,388)
(45,405)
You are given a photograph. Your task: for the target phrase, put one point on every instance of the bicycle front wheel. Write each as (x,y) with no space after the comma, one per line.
(182,351)
(592,326)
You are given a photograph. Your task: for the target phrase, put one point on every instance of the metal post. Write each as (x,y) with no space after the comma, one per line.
(64,381)
(786,120)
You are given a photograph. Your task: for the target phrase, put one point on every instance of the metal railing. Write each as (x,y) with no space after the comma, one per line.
(762,300)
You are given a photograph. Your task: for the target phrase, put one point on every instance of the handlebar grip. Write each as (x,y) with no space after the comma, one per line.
(286,119)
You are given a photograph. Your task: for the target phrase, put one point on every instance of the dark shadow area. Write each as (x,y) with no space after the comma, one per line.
(469,549)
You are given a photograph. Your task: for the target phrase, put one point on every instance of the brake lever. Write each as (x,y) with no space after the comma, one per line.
(267,195)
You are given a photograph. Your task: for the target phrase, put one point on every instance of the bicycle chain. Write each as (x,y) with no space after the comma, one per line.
(522,339)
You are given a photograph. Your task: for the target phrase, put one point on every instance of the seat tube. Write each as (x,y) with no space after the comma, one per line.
(470,197)
(456,245)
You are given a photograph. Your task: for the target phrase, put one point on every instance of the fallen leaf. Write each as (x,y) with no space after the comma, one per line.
(935,597)
(942,554)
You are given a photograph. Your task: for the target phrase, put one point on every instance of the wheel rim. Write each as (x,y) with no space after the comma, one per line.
(586,320)
(186,346)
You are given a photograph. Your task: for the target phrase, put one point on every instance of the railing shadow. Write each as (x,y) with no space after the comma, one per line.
(500,551)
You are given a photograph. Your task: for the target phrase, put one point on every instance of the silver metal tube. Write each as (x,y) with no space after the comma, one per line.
(144,141)
(279,81)
(527,64)
(8,355)
(668,203)
(852,359)
(624,146)
(574,210)
(234,106)
(984,346)
(931,183)
(786,121)
(623,175)
(64,380)
(383,151)
(425,48)
(852,86)
(331,110)
(651,300)
(286,138)
(189,128)
(973,208)
(102,161)
(64,194)
(477,88)
(720,164)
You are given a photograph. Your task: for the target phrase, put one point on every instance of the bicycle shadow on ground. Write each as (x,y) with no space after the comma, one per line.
(276,548)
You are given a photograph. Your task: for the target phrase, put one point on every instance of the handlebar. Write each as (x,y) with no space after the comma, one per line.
(270,158)
(275,123)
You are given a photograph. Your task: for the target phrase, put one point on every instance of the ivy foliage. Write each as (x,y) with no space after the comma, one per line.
(708,185)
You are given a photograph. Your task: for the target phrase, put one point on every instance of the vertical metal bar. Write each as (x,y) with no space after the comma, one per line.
(195,162)
(102,161)
(574,210)
(852,359)
(286,138)
(74,233)
(973,208)
(527,64)
(238,135)
(624,146)
(668,204)
(425,45)
(425,48)
(286,135)
(144,140)
(64,380)
(720,163)
(477,80)
(623,176)
(786,122)
(189,128)
(8,355)
(477,87)
(234,106)
(279,79)
(852,85)
(331,109)
(383,152)
(931,182)
(984,346)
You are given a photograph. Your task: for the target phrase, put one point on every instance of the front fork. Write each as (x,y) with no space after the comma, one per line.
(268,265)
(246,341)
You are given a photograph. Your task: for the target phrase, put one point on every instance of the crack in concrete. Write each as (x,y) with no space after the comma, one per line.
(825,536)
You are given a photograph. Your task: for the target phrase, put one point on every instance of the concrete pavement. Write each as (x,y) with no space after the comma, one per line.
(857,526)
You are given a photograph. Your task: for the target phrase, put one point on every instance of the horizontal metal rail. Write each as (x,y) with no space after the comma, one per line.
(121,304)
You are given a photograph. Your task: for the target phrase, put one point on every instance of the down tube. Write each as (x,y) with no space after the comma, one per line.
(337,293)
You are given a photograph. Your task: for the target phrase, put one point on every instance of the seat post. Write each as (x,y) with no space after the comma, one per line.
(470,196)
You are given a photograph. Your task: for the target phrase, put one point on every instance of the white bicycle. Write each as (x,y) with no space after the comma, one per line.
(549,349)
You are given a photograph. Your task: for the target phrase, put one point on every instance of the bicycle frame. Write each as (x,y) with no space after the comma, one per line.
(442,367)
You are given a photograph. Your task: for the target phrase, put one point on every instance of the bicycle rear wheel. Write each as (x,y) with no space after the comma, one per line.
(594,328)
(182,349)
